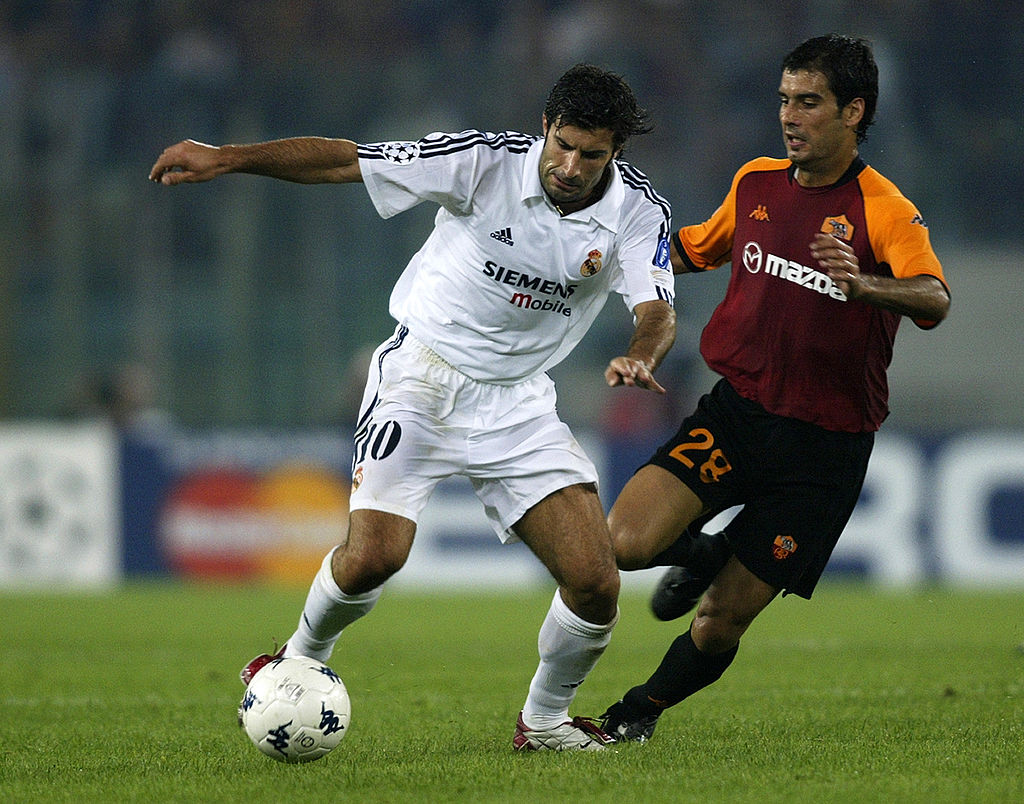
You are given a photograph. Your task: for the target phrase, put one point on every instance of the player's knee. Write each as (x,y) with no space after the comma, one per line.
(595,597)
(712,636)
(358,570)
(379,568)
(629,544)
(608,587)
(718,628)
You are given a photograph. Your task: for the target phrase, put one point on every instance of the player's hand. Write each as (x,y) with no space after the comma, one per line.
(633,372)
(837,259)
(188,161)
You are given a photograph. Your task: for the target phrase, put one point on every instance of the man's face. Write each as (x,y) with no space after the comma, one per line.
(573,162)
(817,133)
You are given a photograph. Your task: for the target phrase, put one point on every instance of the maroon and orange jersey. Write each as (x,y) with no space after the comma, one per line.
(784,335)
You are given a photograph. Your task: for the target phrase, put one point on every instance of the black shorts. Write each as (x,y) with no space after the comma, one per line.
(797,482)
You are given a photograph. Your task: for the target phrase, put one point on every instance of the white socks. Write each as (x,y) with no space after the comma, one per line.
(328,611)
(569,648)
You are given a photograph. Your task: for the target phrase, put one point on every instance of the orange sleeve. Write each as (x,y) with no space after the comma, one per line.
(898,234)
(708,245)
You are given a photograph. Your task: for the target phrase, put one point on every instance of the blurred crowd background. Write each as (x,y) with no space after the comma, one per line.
(253,303)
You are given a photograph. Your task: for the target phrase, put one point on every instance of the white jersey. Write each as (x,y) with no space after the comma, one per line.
(505,287)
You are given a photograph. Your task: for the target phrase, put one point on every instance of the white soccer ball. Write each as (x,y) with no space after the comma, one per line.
(296,709)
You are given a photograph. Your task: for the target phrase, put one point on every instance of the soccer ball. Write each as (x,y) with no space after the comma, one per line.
(295,709)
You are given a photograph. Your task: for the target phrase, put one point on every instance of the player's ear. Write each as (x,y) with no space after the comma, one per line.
(544,124)
(853,112)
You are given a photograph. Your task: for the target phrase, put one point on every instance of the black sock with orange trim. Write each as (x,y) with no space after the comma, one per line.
(683,671)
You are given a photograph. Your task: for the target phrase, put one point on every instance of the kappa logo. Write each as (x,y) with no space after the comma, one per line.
(838,226)
(329,721)
(592,264)
(324,670)
(504,236)
(760,213)
(919,220)
(280,737)
(249,701)
(783,548)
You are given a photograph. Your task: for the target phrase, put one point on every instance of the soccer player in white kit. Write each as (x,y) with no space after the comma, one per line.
(531,236)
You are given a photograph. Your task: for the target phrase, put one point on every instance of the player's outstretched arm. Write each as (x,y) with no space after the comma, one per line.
(920,297)
(654,335)
(309,160)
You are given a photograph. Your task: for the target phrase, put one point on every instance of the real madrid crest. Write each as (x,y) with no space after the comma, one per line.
(592,264)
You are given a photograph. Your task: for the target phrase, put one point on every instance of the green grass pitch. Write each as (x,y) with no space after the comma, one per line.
(861,695)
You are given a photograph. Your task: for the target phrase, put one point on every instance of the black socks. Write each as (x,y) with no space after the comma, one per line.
(704,554)
(682,672)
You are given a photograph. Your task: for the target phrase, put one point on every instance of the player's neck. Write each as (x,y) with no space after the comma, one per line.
(824,173)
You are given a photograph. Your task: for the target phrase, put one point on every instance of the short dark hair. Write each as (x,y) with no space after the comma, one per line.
(849,66)
(591,98)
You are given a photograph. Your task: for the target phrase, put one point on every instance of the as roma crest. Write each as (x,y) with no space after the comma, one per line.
(839,226)
(783,548)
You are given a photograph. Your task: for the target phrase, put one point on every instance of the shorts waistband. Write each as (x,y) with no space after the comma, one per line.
(429,356)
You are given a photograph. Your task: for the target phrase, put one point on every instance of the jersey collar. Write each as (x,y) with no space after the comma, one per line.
(606,212)
(852,172)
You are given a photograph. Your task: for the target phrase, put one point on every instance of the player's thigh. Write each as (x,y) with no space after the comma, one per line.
(649,514)
(786,532)
(698,471)
(405,444)
(515,467)
(376,547)
(568,533)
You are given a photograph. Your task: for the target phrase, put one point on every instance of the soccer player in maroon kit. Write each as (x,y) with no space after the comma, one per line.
(827,257)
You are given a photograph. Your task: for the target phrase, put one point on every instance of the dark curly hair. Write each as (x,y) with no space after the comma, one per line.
(591,98)
(849,66)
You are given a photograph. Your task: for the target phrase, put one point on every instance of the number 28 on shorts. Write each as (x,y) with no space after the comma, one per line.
(702,446)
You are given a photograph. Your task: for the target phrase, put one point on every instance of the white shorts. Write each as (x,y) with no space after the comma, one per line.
(422,420)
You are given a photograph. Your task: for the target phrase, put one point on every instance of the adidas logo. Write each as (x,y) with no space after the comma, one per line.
(504,235)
